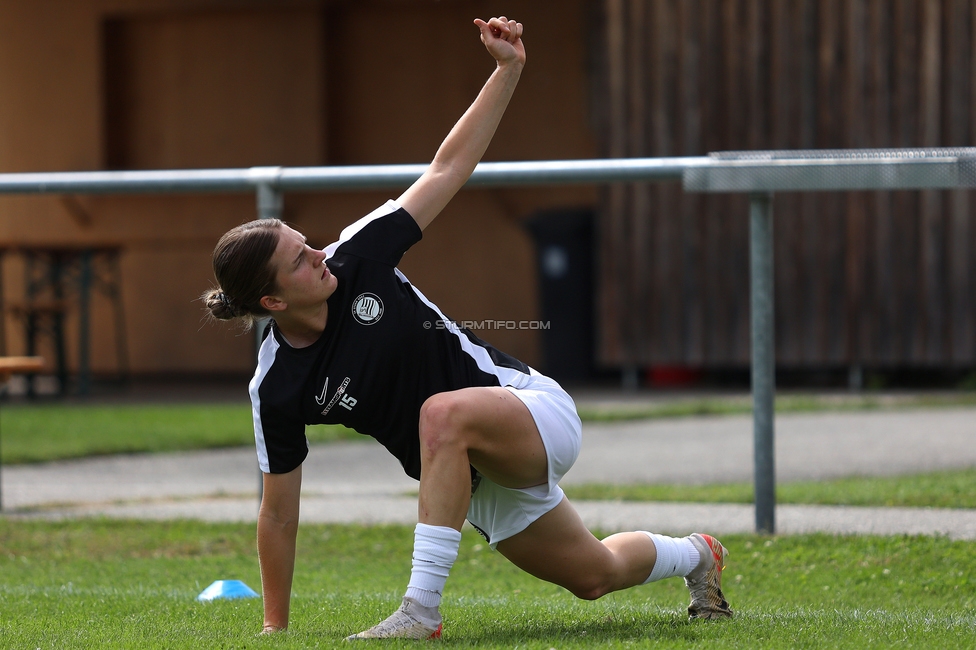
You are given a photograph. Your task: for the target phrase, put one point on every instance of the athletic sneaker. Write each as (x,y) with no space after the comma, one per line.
(705,581)
(411,621)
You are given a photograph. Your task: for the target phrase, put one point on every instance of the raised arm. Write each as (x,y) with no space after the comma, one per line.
(460,152)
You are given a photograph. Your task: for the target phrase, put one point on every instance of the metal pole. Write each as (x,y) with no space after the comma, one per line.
(345,177)
(84,323)
(270,203)
(763,359)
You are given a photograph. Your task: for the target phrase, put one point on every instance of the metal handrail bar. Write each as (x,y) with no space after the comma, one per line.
(346,177)
(892,169)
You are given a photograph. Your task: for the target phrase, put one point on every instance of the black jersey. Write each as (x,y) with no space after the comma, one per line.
(385,349)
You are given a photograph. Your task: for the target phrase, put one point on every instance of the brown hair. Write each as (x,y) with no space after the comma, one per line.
(242,266)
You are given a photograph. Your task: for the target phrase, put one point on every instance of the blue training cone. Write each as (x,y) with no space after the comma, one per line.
(227,589)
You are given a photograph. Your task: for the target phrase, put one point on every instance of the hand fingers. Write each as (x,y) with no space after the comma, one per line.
(483,27)
(502,27)
(514,32)
(499,27)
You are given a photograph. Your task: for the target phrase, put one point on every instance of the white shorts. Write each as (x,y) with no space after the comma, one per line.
(499,512)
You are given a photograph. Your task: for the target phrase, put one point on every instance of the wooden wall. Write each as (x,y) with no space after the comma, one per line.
(875,279)
(136,84)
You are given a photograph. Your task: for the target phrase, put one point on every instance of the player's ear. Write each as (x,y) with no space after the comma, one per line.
(273,303)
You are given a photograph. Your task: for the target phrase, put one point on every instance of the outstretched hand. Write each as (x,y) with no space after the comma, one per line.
(503,39)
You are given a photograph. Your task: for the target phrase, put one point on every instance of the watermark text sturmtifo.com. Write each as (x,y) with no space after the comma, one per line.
(488,324)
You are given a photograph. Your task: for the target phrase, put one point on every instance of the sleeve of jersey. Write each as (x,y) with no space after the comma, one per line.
(279,437)
(280,441)
(383,235)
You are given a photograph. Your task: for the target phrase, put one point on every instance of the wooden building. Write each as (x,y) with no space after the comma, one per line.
(168,84)
(882,280)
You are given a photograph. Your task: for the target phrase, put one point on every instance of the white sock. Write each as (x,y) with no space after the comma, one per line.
(675,557)
(434,550)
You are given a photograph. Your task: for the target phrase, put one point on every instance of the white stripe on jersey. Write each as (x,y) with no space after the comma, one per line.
(506,376)
(347,233)
(266,357)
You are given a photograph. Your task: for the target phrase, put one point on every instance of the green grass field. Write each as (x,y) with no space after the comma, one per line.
(947,489)
(33,434)
(785,403)
(117,584)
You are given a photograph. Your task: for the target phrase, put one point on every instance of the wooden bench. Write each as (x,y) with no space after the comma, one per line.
(19,366)
(45,319)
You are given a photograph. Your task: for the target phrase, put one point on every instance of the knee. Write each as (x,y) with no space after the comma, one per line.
(601,579)
(591,587)
(442,422)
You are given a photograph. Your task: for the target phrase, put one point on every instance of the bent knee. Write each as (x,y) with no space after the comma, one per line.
(590,589)
(442,420)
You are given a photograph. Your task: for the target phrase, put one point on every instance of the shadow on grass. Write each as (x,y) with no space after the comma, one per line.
(601,629)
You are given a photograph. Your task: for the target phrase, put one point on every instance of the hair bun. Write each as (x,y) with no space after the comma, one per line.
(220,305)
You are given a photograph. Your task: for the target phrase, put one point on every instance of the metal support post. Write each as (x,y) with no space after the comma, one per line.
(84,323)
(270,202)
(763,359)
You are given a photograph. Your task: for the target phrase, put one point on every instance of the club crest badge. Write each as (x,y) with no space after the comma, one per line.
(367,308)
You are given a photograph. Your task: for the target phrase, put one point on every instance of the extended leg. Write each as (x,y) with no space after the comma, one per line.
(559,549)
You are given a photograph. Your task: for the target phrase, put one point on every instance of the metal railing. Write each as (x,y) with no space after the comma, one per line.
(759,174)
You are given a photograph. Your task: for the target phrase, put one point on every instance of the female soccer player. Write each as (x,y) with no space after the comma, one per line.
(353,342)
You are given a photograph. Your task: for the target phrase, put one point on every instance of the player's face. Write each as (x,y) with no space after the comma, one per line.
(302,275)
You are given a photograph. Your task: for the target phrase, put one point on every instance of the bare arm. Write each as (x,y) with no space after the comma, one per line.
(466,143)
(277,531)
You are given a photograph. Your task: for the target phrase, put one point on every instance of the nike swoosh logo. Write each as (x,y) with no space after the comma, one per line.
(320,400)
